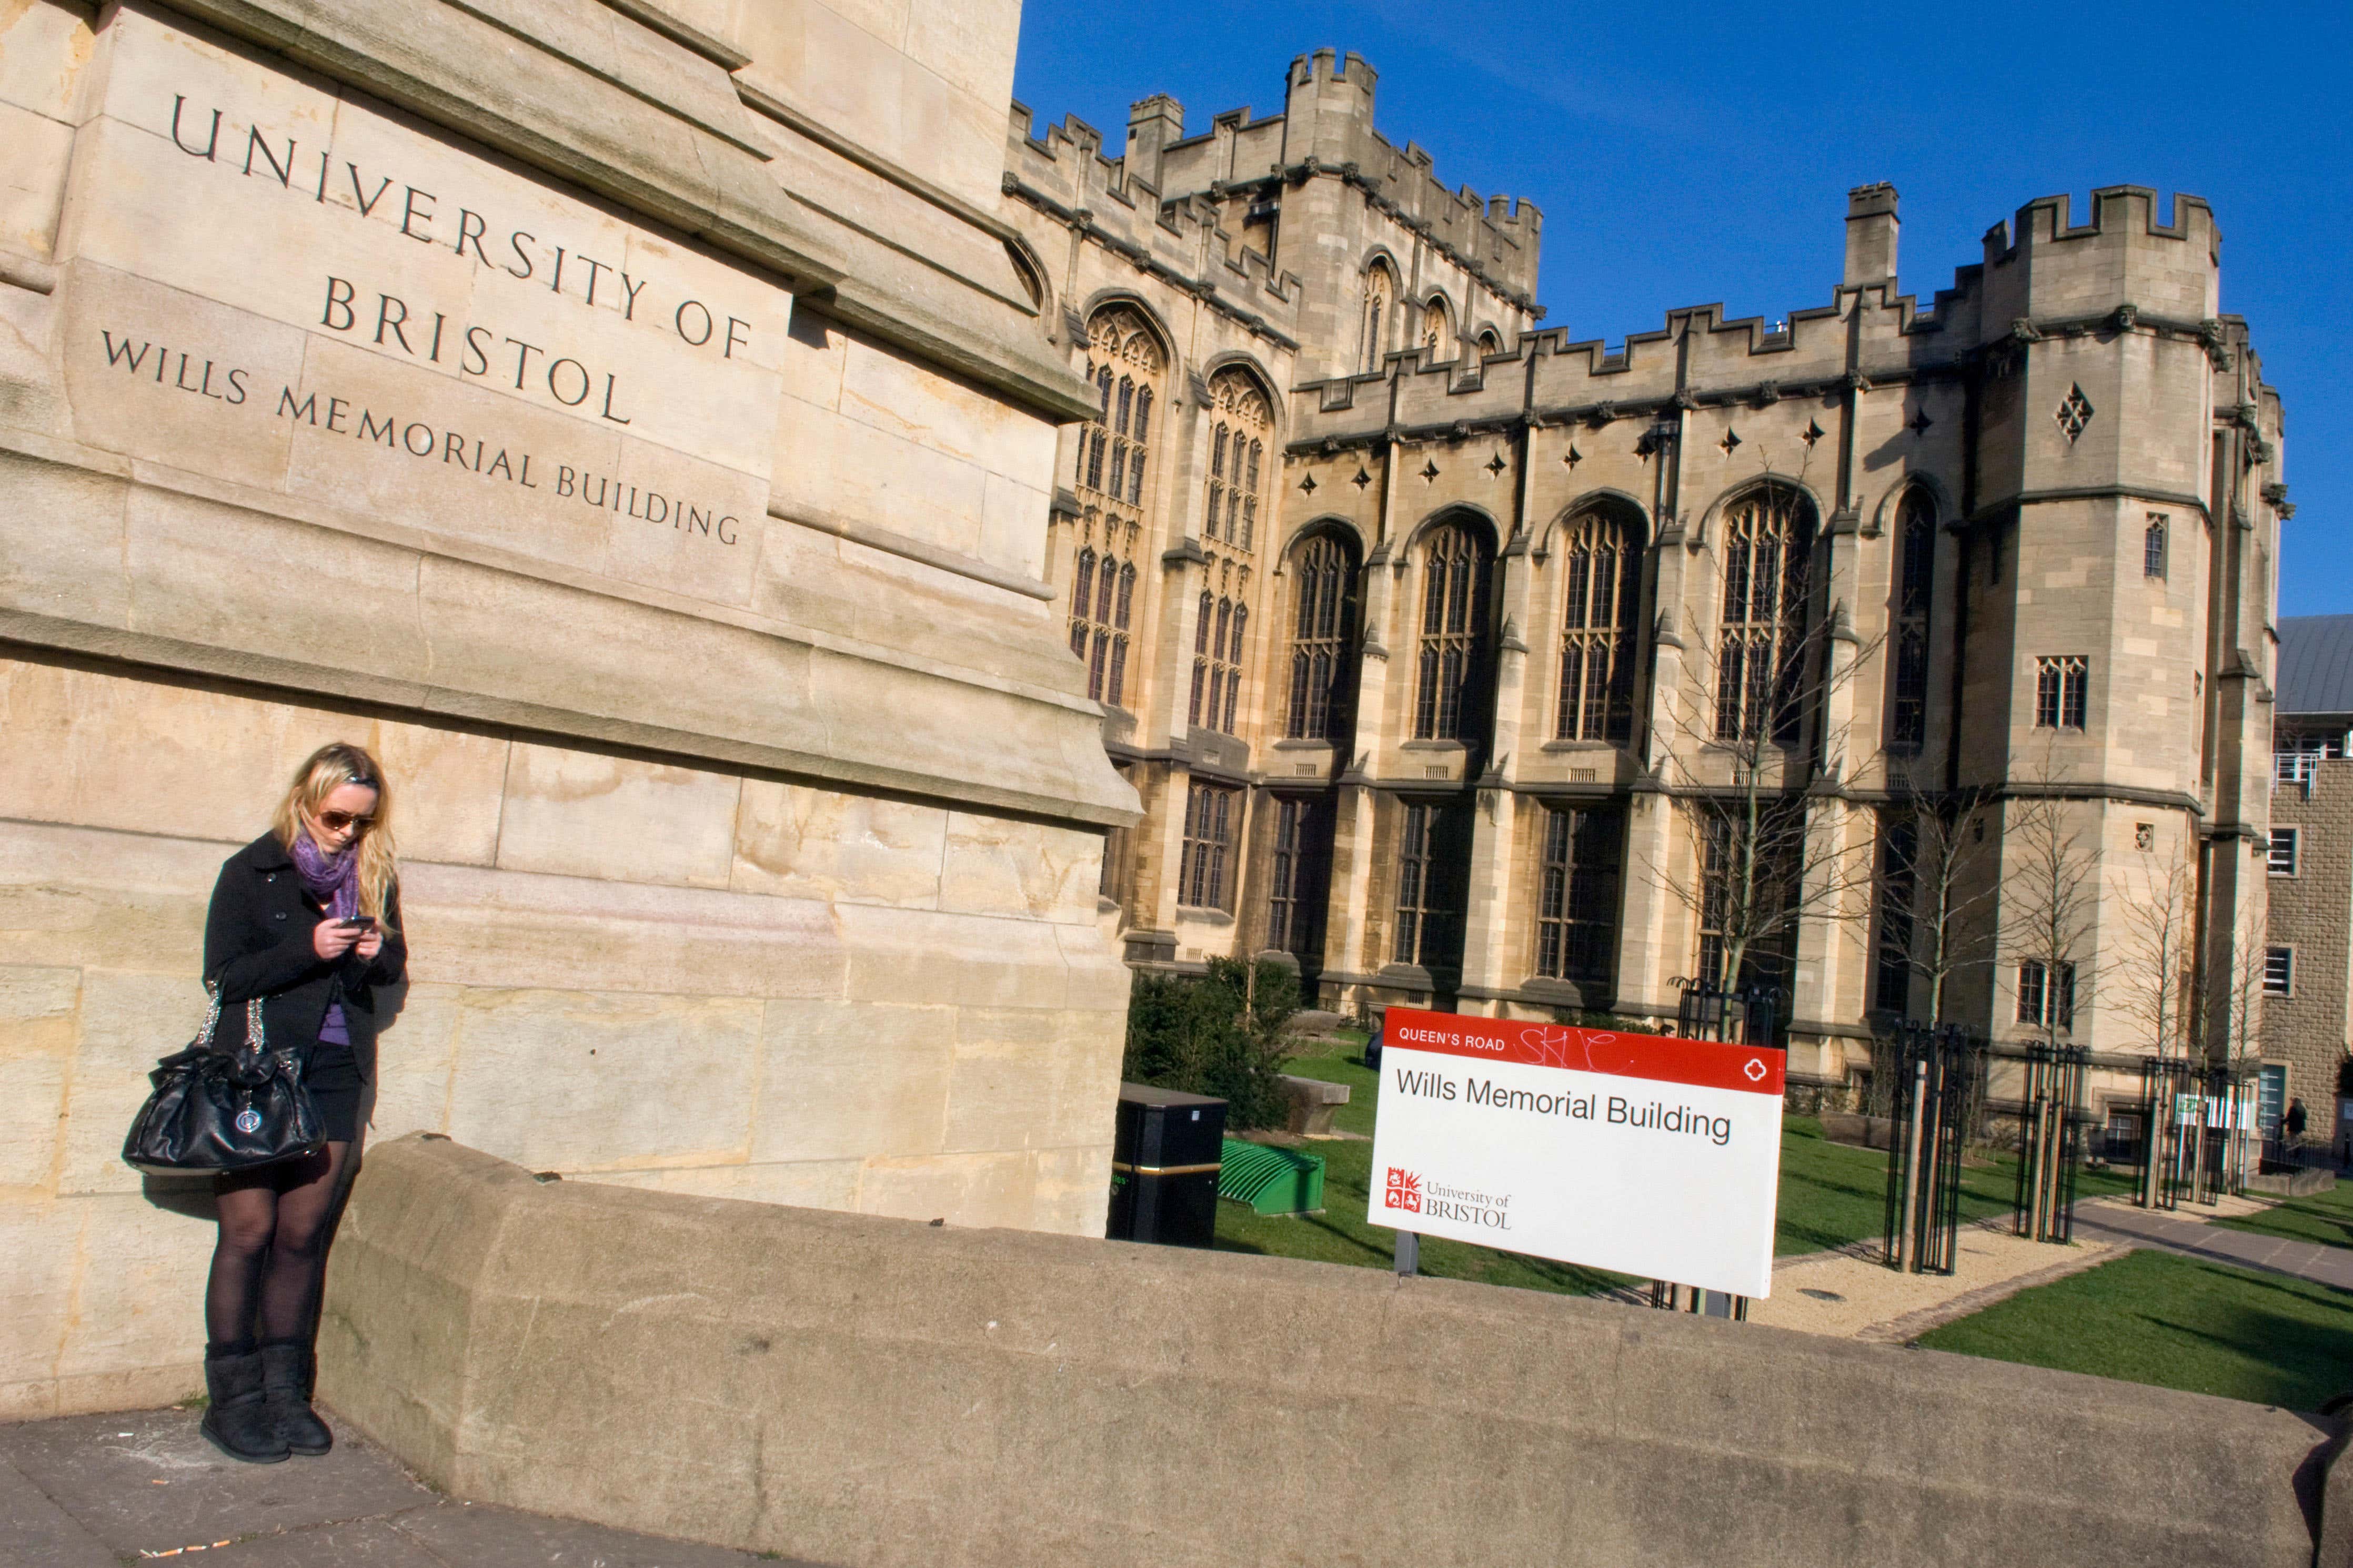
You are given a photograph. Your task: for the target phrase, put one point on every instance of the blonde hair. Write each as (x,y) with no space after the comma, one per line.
(327,770)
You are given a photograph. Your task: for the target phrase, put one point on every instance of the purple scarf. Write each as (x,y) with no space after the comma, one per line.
(333,879)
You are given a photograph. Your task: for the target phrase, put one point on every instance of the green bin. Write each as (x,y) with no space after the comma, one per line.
(1272,1181)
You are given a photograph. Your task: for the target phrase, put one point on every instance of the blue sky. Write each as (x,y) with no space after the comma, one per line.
(1688,156)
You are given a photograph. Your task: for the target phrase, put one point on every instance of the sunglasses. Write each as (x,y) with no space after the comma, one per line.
(336,821)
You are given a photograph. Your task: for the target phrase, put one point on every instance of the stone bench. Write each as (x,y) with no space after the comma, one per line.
(1313,1102)
(2299,1182)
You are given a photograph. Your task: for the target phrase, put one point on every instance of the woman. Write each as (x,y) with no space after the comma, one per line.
(306,917)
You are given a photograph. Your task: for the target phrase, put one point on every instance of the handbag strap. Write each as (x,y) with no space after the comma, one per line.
(212,1018)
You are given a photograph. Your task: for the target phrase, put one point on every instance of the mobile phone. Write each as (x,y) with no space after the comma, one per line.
(357,923)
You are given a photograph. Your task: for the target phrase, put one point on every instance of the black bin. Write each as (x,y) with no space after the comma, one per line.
(1164,1166)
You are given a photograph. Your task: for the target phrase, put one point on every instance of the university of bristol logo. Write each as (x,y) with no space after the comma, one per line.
(1403,1191)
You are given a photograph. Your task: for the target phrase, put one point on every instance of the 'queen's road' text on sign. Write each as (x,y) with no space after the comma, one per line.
(1642,1153)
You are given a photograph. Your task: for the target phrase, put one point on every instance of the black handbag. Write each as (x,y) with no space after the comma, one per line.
(224,1111)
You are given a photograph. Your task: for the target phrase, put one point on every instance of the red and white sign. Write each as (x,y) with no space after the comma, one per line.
(1643,1153)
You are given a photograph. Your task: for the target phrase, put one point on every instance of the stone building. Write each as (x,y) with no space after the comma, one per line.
(2307,964)
(629,420)
(1474,664)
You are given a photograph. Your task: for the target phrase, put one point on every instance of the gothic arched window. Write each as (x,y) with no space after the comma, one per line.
(1437,328)
(1217,663)
(1916,578)
(1451,669)
(1103,594)
(1083,596)
(1242,424)
(1490,341)
(1380,300)
(1323,628)
(1761,651)
(1596,645)
(1125,363)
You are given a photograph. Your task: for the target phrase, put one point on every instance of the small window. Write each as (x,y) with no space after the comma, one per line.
(1413,882)
(2031,985)
(2152,549)
(1299,873)
(2144,834)
(1576,912)
(2046,994)
(2062,688)
(2283,851)
(1210,814)
(2279,971)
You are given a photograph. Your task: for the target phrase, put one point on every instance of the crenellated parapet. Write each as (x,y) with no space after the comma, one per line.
(1328,128)
(2044,268)
(1204,210)
(1180,240)
(2121,273)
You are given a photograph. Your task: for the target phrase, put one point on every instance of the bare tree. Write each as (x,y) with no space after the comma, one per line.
(1937,895)
(2051,892)
(1936,884)
(2153,978)
(1754,763)
(2234,978)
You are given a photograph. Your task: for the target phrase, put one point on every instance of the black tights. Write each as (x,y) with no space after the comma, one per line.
(275,1224)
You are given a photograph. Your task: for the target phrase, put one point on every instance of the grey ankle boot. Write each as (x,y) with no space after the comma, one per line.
(239,1423)
(286,1387)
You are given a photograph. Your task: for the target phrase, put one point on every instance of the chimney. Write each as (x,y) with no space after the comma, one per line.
(1152,125)
(1871,229)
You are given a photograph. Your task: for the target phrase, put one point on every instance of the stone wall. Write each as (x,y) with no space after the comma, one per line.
(2305,1030)
(370,373)
(870,1392)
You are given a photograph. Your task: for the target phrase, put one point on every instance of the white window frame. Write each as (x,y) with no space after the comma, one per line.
(2281,961)
(2284,865)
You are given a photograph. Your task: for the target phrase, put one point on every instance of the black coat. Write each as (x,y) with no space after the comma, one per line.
(258,943)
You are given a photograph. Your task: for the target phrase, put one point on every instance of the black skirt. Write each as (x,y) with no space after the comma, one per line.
(332,1074)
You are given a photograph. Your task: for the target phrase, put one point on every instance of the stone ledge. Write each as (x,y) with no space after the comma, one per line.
(545,651)
(878,1392)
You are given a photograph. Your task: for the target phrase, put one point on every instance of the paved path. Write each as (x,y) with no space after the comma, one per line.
(2116,1223)
(1850,1293)
(99,1492)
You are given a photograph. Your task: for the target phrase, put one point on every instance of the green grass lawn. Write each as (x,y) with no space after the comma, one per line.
(2325,1218)
(1341,1233)
(2174,1322)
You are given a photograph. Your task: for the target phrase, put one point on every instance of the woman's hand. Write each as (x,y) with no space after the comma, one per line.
(371,943)
(331,939)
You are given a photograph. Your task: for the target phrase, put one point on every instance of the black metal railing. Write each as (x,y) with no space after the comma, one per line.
(2053,1124)
(2172,1121)
(1740,1016)
(2221,1139)
(1939,1096)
